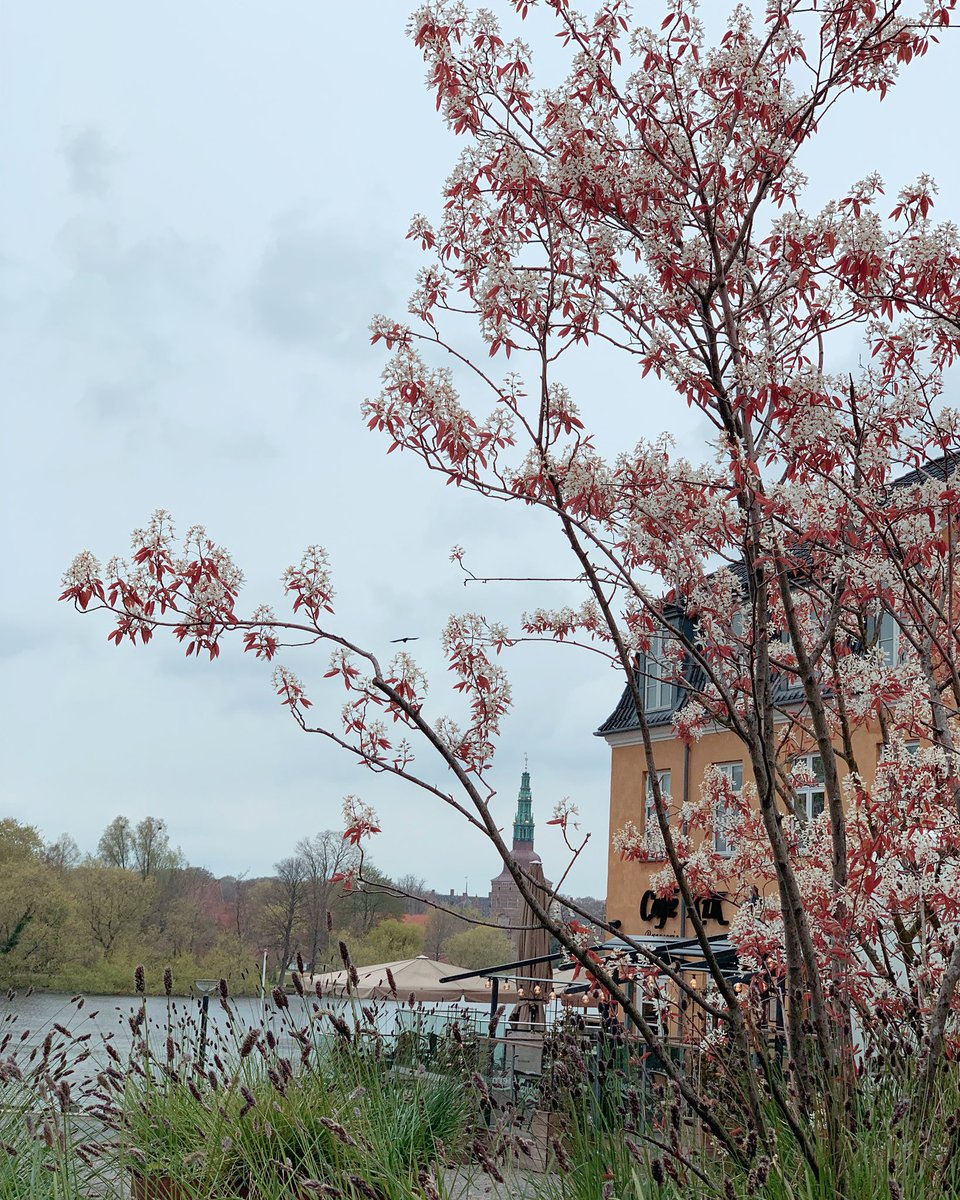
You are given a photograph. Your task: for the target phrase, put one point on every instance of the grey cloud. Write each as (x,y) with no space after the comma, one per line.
(89,161)
(34,638)
(133,278)
(112,401)
(17,640)
(319,287)
(122,319)
(247,448)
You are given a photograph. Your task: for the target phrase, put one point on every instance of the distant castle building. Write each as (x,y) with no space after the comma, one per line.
(479,905)
(506,905)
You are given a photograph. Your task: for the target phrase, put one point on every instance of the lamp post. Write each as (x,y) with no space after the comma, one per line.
(494,996)
(206,988)
(263,988)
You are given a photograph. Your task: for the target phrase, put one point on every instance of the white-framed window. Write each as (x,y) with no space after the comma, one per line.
(651,826)
(912,747)
(657,688)
(812,796)
(722,815)
(653,1015)
(888,639)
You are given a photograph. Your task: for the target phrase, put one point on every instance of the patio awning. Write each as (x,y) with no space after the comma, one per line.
(423,978)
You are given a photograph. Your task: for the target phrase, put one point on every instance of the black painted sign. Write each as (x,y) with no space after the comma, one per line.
(658,910)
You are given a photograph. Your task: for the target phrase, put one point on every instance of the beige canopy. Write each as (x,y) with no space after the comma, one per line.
(420,976)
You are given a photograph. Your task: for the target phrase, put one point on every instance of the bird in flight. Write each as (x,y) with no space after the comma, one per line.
(406,639)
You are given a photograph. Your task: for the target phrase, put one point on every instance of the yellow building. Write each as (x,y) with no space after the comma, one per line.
(630,897)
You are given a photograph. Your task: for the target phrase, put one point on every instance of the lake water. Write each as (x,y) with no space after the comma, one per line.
(96,1021)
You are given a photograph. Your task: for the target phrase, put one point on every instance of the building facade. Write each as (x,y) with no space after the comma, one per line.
(631,897)
(681,767)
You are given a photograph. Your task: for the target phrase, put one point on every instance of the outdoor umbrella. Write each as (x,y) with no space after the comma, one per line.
(533,982)
(420,976)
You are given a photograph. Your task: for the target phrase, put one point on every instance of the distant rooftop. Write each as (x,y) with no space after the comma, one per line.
(937,468)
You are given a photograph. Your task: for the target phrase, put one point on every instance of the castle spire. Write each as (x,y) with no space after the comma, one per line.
(523,822)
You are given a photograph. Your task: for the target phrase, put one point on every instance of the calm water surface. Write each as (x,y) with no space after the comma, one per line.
(28,1019)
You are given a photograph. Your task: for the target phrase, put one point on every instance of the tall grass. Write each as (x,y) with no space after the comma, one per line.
(308,1105)
(48,1149)
(611,1141)
(316,1103)
(316,1106)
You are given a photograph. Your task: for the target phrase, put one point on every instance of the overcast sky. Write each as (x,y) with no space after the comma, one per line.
(202,206)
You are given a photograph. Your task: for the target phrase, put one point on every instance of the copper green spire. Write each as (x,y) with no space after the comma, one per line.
(523,823)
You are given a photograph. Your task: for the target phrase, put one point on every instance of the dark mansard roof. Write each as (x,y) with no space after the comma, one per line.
(941,468)
(623,719)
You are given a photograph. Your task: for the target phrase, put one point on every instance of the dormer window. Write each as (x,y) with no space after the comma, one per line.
(657,688)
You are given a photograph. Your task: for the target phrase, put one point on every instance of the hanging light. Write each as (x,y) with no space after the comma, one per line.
(536,989)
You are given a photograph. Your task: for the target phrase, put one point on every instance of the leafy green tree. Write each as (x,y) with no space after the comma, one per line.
(18,842)
(35,916)
(112,905)
(115,847)
(390,941)
(150,848)
(481,946)
(13,933)
(20,846)
(171,888)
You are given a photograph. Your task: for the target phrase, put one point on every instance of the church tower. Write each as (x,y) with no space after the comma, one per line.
(506,906)
(523,822)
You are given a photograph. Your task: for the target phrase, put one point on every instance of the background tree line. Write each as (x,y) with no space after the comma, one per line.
(70,921)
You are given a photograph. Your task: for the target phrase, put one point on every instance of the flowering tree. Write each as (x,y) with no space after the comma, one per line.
(652,202)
